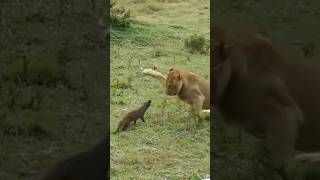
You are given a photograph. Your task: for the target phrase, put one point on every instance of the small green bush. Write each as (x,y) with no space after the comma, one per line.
(196,43)
(29,123)
(44,71)
(41,71)
(121,84)
(119,16)
(15,70)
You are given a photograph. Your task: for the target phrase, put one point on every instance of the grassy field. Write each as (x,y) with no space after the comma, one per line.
(294,24)
(52,83)
(171,144)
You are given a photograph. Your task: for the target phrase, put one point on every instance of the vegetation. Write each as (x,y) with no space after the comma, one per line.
(171,144)
(196,43)
(52,83)
(119,16)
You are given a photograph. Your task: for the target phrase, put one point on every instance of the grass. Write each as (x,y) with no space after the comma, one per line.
(52,84)
(171,144)
(238,155)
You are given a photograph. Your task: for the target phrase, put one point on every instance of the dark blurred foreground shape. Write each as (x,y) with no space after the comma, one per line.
(53,76)
(89,165)
(236,156)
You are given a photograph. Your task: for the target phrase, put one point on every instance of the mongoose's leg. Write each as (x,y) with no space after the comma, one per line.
(120,127)
(135,122)
(142,118)
(312,157)
(125,127)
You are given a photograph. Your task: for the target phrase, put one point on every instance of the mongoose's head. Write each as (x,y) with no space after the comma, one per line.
(147,103)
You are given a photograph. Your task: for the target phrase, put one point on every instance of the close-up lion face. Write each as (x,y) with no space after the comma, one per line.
(173,82)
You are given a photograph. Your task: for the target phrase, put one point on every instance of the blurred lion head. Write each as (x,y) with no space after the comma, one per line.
(173,82)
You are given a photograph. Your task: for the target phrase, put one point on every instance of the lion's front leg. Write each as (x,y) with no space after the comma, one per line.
(205,112)
(309,157)
(155,74)
(282,132)
(196,106)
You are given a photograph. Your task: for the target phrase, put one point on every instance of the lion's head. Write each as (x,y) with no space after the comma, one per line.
(173,82)
(236,51)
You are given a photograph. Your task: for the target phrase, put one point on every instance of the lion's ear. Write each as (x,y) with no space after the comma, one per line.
(171,69)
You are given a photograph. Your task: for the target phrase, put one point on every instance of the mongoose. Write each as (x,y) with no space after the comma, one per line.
(91,164)
(133,116)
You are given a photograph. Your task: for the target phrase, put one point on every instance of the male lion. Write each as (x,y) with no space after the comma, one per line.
(267,93)
(189,87)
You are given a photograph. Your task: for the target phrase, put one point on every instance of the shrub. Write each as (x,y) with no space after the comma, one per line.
(38,70)
(44,71)
(121,84)
(196,43)
(119,16)
(15,69)
(29,123)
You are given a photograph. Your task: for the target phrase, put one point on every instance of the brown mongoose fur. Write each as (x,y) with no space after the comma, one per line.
(133,116)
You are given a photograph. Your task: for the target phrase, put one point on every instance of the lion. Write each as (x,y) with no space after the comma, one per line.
(189,87)
(258,87)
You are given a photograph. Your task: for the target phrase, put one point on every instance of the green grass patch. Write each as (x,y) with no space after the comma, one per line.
(171,144)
